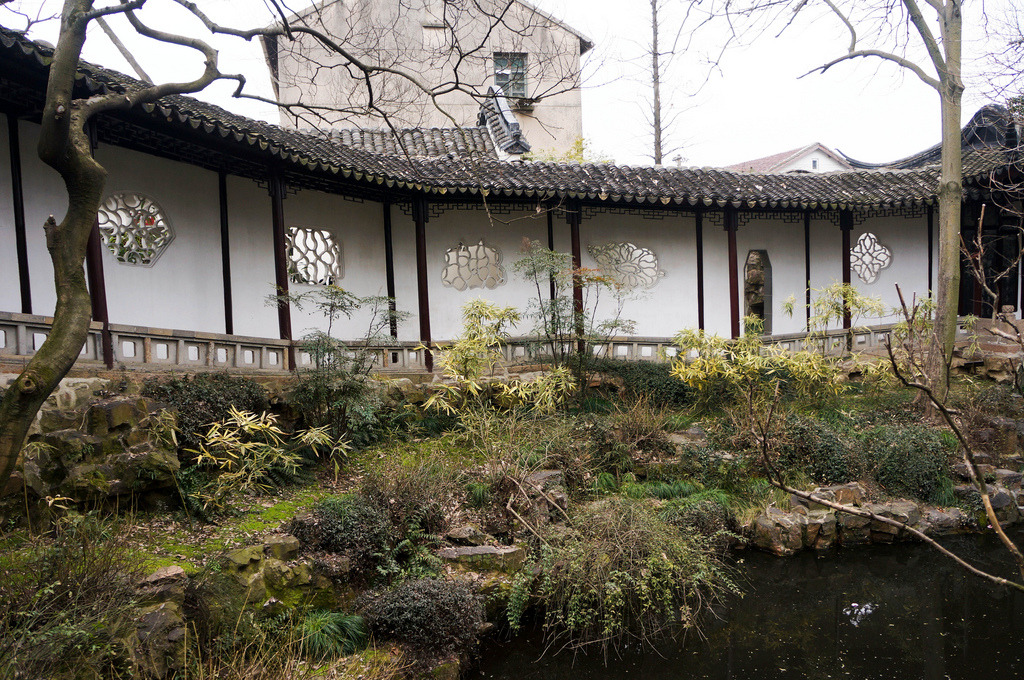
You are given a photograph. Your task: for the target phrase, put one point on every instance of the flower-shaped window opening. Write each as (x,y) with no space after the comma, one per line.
(314,257)
(475,266)
(134,228)
(869,257)
(629,265)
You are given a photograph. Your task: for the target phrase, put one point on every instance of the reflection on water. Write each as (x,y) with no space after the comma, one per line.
(902,612)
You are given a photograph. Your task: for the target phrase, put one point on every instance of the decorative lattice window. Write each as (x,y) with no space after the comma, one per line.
(314,257)
(134,228)
(475,266)
(869,257)
(629,265)
(510,73)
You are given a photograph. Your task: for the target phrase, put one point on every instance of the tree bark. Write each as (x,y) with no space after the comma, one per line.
(950,195)
(64,146)
(656,83)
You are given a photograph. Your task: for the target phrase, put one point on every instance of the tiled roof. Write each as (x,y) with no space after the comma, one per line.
(454,176)
(418,142)
(499,119)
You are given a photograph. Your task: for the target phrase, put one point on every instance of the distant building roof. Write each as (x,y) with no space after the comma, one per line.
(779,161)
(418,142)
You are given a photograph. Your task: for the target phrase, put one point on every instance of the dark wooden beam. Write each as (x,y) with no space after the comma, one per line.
(573,217)
(98,292)
(420,215)
(731,223)
(846,226)
(807,268)
(551,247)
(94,274)
(18,203)
(225,253)
(931,247)
(699,230)
(389,268)
(284,310)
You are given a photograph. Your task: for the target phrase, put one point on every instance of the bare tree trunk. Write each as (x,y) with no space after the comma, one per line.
(656,82)
(64,145)
(950,196)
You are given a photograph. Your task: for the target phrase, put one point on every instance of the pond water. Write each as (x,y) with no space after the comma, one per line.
(886,612)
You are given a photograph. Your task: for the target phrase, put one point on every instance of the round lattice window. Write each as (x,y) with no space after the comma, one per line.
(134,228)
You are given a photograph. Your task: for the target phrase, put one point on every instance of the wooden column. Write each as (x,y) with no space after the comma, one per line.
(731,224)
(420,214)
(551,247)
(389,268)
(698,218)
(18,203)
(225,253)
(807,268)
(573,217)
(95,279)
(846,226)
(284,310)
(931,247)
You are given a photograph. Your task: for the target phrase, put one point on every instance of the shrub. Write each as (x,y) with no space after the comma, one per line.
(415,495)
(622,571)
(811,446)
(204,399)
(910,460)
(647,379)
(442,615)
(348,525)
(68,602)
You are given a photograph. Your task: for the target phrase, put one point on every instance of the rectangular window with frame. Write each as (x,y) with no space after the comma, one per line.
(510,73)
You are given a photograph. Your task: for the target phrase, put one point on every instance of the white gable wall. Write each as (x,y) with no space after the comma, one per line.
(10,287)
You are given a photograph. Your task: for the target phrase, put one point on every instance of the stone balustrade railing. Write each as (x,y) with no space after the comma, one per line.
(155,349)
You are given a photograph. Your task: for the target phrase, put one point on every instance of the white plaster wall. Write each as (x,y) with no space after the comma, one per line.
(671,304)
(907,239)
(826,261)
(717,309)
(784,243)
(183,289)
(359,228)
(805,163)
(251,237)
(44,196)
(505,232)
(403,236)
(10,287)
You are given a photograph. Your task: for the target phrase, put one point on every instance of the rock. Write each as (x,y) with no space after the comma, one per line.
(545,479)
(903,511)
(821,530)
(506,559)
(117,413)
(468,535)
(1008,479)
(161,634)
(987,471)
(846,494)
(166,584)
(779,532)
(1005,440)
(245,559)
(936,522)
(449,670)
(853,529)
(284,547)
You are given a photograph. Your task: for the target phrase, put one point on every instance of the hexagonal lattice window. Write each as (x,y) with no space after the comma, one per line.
(134,228)
(314,257)
(474,266)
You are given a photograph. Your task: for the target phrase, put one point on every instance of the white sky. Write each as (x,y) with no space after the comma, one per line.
(753,106)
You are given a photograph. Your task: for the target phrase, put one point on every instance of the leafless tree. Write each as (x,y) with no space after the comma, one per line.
(65,145)
(922,38)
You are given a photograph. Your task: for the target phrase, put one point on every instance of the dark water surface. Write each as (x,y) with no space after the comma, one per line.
(866,613)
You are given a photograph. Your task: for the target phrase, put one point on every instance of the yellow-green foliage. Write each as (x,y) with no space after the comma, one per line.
(250,453)
(473,357)
(723,372)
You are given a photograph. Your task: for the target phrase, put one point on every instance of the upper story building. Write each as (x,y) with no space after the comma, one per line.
(463,52)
